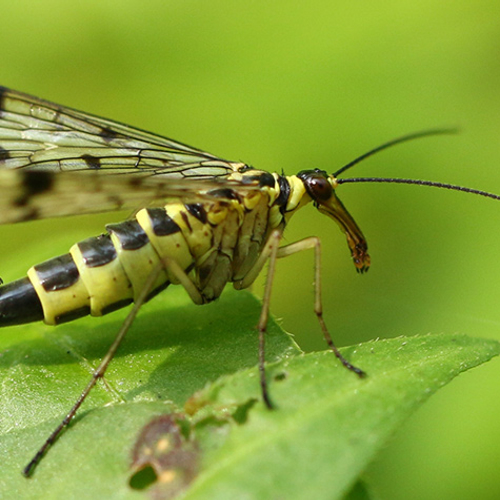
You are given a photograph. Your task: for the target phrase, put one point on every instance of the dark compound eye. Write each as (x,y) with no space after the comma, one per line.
(319,188)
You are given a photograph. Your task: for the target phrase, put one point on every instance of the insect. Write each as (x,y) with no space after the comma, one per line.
(199,221)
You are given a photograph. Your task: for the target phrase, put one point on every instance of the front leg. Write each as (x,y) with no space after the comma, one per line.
(272,252)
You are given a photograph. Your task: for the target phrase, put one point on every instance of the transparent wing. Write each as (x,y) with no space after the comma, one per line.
(29,195)
(57,161)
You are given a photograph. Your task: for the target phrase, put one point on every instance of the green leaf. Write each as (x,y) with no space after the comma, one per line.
(328,424)
(327,427)
(173,349)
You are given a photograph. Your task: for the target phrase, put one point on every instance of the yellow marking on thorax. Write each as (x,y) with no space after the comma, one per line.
(275,217)
(298,196)
(252,199)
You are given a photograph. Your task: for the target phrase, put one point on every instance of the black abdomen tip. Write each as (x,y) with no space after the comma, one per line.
(19,303)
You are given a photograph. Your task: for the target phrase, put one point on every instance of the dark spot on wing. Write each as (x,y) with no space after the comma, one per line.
(108,134)
(92,161)
(32,214)
(37,182)
(33,183)
(115,200)
(197,211)
(22,201)
(135,181)
(227,193)
(4,154)
(57,114)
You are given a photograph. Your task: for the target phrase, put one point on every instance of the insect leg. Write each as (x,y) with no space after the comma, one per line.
(314,242)
(99,372)
(272,252)
(184,280)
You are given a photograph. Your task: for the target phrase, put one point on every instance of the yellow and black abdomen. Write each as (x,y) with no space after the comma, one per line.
(98,275)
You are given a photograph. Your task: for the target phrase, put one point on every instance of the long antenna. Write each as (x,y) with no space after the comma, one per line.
(399,140)
(420,183)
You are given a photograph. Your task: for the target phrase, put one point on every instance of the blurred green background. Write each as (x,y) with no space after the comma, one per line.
(294,85)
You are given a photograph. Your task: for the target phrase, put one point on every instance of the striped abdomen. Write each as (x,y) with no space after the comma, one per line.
(104,273)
